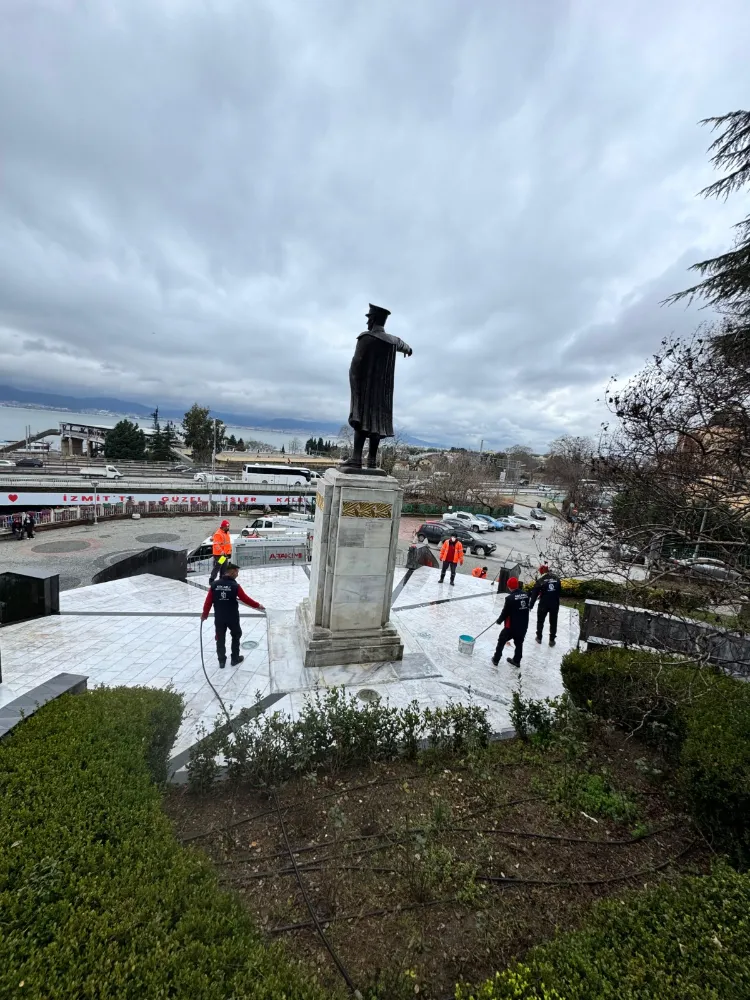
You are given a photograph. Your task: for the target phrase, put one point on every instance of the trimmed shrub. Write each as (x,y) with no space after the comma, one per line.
(701,717)
(334,730)
(97,898)
(690,941)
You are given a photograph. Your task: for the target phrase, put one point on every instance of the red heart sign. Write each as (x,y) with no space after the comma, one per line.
(13,497)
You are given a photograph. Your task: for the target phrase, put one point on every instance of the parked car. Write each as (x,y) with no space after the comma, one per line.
(524,522)
(4,462)
(449,519)
(470,521)
(538,515)
(436,531)
(476,544)
(620,552)
(433,532)
(498,524)
(713,569)
(29,463)
(211,477)
(509,524)
(491,523)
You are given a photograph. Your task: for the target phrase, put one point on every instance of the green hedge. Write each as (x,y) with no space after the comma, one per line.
(702,717)
(653,598)
(690,941)
(97,898)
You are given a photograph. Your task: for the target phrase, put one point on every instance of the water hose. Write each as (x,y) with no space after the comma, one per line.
(208,679)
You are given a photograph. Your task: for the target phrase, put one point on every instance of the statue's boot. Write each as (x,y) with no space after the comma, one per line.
(355,462)
(372,452)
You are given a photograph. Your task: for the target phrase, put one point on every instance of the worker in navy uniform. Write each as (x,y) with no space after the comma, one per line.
(515,621)
(547,591)
(224,595)
(371,377)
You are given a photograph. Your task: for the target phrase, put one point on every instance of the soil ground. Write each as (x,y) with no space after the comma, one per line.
(429,873)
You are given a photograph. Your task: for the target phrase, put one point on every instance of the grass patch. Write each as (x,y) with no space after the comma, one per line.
(594,795)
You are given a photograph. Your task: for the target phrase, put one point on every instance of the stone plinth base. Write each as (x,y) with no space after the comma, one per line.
(324,648)
(346,618)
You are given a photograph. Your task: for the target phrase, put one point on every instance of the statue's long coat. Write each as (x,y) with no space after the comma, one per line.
(371,381)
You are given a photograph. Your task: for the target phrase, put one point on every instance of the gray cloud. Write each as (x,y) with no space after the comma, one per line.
(199,200)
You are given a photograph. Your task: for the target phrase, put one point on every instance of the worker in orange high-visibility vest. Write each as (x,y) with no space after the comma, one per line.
(222,550)
(451,556)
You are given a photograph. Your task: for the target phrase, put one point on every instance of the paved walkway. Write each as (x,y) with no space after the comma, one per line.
(145,631)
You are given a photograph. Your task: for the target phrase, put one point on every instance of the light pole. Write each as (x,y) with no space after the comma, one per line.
(213,454)
(96,488)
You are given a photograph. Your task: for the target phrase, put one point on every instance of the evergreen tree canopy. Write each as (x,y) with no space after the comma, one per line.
(125,440)
(725,280)
(162,441)
(199,432)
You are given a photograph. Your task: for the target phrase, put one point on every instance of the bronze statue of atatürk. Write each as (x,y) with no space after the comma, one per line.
(371,381)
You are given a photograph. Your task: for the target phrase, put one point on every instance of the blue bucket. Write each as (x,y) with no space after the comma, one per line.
(466,644)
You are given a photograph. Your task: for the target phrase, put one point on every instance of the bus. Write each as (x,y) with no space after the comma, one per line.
(278,475)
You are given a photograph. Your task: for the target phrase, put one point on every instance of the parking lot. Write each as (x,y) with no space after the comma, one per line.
(512,546)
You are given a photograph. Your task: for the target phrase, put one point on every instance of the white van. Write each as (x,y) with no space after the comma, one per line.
(278,526)
(101,472)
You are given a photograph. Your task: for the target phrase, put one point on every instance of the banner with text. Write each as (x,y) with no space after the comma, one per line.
(66,499)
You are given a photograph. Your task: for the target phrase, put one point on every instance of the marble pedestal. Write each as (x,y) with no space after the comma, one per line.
(346,617)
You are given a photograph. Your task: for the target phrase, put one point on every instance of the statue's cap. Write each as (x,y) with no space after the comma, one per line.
(379,314)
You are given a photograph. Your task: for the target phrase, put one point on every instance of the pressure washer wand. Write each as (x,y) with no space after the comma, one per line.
(494,622)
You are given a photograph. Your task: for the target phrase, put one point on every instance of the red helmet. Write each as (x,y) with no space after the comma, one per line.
(225,524)
(513,583)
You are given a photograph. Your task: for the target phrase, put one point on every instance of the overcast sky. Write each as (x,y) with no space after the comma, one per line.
(198,198)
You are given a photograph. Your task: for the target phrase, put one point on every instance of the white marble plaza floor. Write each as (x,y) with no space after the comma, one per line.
(145,631)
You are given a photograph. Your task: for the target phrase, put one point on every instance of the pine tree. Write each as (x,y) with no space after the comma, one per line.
(168,441)
(155,446)
(726,279)
(125,440)
(319,446)
(282,450)
(199,432)
(240,444)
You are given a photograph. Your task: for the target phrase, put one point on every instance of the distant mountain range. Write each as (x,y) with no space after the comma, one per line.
(58,401)
(52,400)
